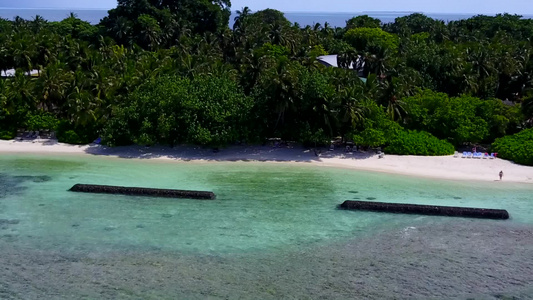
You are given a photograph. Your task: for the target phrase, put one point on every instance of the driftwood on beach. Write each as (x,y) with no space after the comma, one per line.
(427,209)
(136,191)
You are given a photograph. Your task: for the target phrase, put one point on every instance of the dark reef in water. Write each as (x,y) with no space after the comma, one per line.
(459,259)
(10,222)
(34,178)
(434,210)
(11,185)
(136,191)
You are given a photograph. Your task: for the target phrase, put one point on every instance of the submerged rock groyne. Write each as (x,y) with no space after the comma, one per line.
(435,210)
(137,191)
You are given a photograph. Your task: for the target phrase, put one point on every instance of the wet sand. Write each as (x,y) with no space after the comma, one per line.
(440,167)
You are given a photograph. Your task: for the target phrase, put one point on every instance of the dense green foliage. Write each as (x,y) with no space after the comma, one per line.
(460,119)
(366,38)
(376,128)
(172,110)
(71,133)
(516,147)
(363,21)
(419,143)
(172,71)
(152,24)
(42,121)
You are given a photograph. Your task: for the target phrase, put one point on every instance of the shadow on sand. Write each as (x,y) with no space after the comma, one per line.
(233,153)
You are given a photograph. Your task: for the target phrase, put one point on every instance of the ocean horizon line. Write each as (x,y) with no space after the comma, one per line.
(392,12)
(335,19)
(404,12)
(52,8)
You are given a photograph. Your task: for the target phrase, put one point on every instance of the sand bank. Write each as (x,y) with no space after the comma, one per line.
(443,167)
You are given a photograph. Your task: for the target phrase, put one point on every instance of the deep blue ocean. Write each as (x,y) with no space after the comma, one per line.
(303,18)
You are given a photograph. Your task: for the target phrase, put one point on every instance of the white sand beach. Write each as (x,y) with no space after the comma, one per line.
(443,167)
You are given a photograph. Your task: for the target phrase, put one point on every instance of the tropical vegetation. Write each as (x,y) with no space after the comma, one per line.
(174,72)
(516,147)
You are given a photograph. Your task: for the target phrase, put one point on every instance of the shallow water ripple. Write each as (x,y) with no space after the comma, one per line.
(273,232)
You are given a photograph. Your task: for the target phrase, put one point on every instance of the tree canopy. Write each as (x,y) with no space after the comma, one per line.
(172,71)
(151,23)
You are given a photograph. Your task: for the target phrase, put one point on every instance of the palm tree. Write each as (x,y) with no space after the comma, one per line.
(251,68)
(240,19)
(222,70)
(377,60)
(5,57)
(53,85)
(6,101)
(81,106)
(327,28)
(38,23)
(480,63)
(282,84)
(391,91)
(22,93)
(19,24)
(23,52)
(121,30)
(150,32)
(309,36)
(276,34)
(527,109)
(46,49)
(352,111)
(276,89)
(325,112)
(348,59)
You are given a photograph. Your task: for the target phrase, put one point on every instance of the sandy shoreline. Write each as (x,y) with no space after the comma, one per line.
(442,167)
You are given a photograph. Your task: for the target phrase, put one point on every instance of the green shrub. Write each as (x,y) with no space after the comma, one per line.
(419,143)
(377,129)
(517,148)
(310,138)
(370,137)
(71,134)
(41,120)
(70,137)
(207,110)
(7,134)
(457,119)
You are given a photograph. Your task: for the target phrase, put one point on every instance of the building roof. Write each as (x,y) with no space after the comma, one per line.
(328,60)
(12,72)
(332,61)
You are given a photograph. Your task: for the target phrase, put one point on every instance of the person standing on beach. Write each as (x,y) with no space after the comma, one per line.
(501,175)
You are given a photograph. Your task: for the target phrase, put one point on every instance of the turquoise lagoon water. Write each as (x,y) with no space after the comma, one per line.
(273,232)
(259,205)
